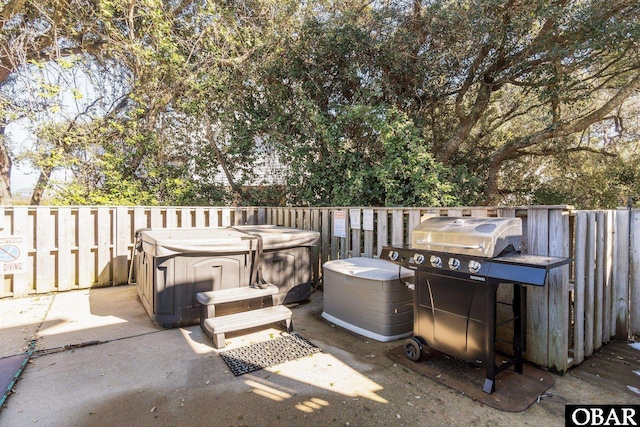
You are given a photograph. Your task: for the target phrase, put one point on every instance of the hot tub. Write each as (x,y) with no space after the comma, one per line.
(170,266)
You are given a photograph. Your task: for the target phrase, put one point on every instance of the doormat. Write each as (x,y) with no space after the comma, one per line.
(261,355)
(514,393)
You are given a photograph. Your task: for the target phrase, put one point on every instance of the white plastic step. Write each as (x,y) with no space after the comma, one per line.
(235,294)
(216,327)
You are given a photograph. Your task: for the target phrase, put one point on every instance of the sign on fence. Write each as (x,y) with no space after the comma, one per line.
(12,254)
(340,223)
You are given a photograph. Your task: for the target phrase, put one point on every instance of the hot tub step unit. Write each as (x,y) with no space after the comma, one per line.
(235,294)
(216,327)
(209,299)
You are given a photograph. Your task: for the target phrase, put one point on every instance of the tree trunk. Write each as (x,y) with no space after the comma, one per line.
(5,172)
(41,185)
(236,191)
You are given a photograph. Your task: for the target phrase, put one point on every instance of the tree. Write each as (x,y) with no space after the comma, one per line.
(518,78)
(143,56)
(397,102)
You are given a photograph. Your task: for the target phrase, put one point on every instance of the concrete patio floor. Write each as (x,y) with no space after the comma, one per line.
(100,361)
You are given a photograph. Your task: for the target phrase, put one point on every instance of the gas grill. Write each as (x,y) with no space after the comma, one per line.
(459,263)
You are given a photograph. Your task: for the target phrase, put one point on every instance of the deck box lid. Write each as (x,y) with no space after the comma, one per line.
(367,268)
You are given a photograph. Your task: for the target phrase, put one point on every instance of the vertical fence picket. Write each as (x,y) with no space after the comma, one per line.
(504,310)
(383,228)
(620,307)
(238,216)
(558,282)
(579,287)
(5,285)
(103,245)
(215,217)
(65,259)
(24,283)
(199,217)
(355,235)
(171,218)
(397,227)
(139,218)
(344,241)
(262,216)
(538,297)
(634,274)
(157,220)
(122,249)
(607,332)
(251,216)
(334,244)
(598,295)
(226,217)
(589,290)
(45,244)
(325,236)
(368,236)
(86,256)
(185,218)
(413,221)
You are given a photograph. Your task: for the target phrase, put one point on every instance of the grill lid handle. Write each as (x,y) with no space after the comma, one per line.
(449,245)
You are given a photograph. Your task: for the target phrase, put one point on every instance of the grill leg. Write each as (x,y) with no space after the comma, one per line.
(490,337)
(517,328)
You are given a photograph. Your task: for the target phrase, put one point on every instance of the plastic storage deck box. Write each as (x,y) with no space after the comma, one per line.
(364,295)
(170,266)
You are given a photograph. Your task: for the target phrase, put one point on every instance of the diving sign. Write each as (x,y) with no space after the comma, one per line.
(12,254)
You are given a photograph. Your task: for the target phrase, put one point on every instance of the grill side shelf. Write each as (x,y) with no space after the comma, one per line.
(538,261)
(523,268)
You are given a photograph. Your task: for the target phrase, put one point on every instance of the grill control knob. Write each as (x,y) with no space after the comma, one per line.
(454,263)
(474,266)
(393,255)
(419,258)
(435,261)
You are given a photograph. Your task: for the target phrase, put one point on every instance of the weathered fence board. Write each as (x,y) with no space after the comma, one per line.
(589,285)
(558,283)
(620,306)
(607,330)
(634,274)
(65,242)
(537,336)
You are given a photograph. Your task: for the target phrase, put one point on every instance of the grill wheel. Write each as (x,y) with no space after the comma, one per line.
(413,349)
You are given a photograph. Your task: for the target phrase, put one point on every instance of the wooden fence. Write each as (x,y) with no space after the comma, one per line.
(581,307)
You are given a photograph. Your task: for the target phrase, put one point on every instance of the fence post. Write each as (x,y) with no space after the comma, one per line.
(634,274)
(537,339)
(589,290)
(580,270)
(23,283)
(383,229)
(607,330)
(558,283)
(620,308)
(121,251)
(66,259)
(325,236)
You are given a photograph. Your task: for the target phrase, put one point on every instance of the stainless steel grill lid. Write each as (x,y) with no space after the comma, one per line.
(482,237)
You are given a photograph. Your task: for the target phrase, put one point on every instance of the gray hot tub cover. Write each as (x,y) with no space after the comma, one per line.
(175,241)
